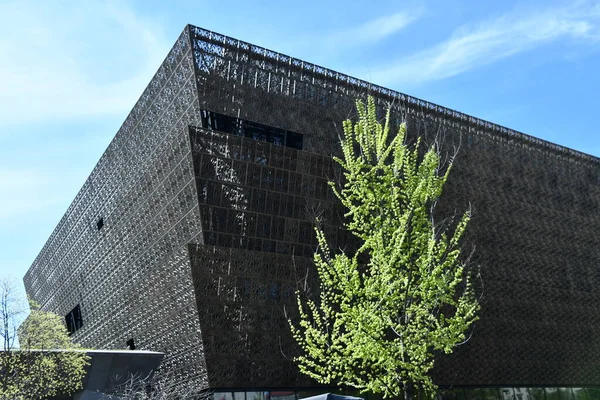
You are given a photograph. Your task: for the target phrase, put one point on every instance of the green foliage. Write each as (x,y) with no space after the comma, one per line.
(43,330)
(385,311)
(46,364)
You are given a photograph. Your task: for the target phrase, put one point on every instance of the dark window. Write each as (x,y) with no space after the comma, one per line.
(226,124)
(220,122)
(100,223)
(73,320)
(249,129)
(293,140)
(277,136)
(256,131)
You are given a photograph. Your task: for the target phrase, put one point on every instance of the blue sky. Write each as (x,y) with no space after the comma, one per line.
(70,71)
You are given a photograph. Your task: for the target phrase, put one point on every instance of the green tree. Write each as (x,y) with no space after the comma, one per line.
(47,363)
(385,311)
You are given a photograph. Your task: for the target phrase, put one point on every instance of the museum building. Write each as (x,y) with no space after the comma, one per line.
(195,229)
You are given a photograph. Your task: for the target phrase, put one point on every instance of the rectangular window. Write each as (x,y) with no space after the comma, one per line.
(249,129)
(73,320)
(293,140)
(277,136)
(256,131)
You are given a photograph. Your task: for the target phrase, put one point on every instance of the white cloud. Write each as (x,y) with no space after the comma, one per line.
(474,46)
(73,59)
(372,31)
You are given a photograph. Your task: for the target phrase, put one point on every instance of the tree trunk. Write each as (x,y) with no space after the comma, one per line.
(409,391)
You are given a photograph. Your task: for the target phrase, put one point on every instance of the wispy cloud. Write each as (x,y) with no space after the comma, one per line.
(473,46)
(372,31)
(73,60)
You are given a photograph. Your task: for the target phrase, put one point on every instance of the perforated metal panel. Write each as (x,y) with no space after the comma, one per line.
(131,277)
(535,209)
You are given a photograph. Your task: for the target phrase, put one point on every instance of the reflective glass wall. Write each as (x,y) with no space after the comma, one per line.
(502,393)
(511,393)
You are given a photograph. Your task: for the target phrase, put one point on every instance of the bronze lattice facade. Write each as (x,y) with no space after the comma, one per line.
(195,228)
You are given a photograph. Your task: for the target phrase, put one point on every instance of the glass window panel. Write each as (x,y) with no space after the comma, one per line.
(70,323)
(507,393)
(255,396)
(283,395)
(579,394)
(222,396)
(593,393)
(460,394)
(305,394)
(77,317)
(522,394)
(239,395)
(490,393)
(551,394)
(472,393)
(565,393)
(206,118)
(277,136)
(255,131)
(536,393)
(293,140)
(451,394)
(225,123)
(73,320)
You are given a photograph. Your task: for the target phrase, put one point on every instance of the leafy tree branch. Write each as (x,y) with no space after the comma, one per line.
(384,311)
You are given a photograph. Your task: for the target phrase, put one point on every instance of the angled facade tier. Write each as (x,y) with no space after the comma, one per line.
(195,228)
